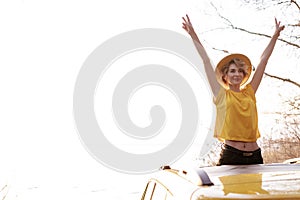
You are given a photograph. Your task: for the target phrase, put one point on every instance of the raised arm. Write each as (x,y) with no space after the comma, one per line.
(209,70)
(265,57)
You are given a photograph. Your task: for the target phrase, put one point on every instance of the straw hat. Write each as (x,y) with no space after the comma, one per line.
(225,61)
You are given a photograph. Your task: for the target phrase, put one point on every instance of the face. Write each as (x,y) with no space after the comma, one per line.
(234,75)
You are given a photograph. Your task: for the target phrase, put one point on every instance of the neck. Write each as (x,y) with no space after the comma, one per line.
(235,88)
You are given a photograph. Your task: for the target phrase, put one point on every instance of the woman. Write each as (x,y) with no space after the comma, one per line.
(236,121)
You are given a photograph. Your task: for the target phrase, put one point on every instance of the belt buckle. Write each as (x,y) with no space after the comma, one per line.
(246,154)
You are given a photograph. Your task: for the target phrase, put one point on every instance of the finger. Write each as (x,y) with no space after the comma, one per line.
(187,30)
(277,22)
(184,19)
(188,18)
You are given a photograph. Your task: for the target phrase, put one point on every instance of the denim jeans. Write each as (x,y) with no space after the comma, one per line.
(232,156)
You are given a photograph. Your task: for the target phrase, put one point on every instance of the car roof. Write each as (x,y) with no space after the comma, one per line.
(266,181)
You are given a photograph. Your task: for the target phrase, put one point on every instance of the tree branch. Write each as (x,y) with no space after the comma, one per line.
(264,35)
(283,79)
(228,22)
(294,2)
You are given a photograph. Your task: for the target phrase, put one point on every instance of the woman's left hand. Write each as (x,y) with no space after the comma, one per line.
(278,28)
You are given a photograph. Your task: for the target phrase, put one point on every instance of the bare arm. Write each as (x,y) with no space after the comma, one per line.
(265,57)
(210,73)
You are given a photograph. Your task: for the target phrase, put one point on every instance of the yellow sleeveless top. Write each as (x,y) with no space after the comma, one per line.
(236,115)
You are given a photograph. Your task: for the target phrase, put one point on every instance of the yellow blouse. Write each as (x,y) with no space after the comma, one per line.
(236,115)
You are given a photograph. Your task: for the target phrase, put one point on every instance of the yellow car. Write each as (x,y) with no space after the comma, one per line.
(266,181)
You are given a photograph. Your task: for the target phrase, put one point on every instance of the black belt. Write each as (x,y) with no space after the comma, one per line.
(240,152)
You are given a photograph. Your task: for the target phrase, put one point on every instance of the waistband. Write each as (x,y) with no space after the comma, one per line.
(240,152)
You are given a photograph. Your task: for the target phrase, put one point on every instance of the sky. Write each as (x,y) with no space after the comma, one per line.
(43,45)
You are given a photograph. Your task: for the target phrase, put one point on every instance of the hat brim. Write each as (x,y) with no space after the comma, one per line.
(225,61)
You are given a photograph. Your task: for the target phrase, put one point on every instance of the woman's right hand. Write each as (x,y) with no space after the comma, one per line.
(187,25)
(209,70)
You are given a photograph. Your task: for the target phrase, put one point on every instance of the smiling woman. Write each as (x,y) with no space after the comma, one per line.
(236,120)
